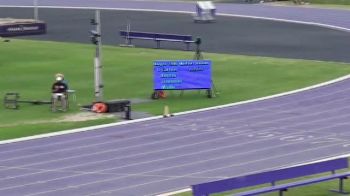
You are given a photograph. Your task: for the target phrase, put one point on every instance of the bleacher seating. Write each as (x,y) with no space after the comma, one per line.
(204,189)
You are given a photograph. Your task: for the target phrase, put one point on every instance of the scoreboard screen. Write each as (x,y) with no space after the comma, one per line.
(182,74)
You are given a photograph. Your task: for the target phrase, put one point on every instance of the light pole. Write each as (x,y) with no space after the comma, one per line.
(198,55)
(36,11)
(96,39)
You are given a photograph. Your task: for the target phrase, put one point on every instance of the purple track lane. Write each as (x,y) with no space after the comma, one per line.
(157,156)
(151,157)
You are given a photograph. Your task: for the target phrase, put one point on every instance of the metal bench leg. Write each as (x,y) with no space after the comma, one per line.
(341,186)
(53,104)
(59,102)
(11,100)
(282,191)
(127,109)
(64,103)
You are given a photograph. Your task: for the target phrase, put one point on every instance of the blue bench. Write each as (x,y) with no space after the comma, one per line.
(157,37)
(272,177)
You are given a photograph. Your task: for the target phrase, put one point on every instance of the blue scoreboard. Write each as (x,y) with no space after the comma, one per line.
(182,74)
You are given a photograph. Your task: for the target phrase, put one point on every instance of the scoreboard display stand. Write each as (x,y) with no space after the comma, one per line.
(182,75)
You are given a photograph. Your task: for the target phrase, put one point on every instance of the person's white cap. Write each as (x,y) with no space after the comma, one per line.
(59,78)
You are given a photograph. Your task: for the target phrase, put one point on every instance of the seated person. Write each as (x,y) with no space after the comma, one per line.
(59,92)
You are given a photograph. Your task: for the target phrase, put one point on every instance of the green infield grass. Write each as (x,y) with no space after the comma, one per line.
(28,67)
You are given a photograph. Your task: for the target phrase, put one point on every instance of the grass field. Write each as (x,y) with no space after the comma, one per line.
(28,67)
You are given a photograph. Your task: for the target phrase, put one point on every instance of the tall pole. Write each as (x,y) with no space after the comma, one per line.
(36,11)
(198,55)
(97,60)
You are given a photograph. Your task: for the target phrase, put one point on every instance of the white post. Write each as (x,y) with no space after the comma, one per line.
(97,60)
(36,11)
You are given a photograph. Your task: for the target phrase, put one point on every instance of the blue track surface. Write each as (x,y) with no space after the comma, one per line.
(156,156)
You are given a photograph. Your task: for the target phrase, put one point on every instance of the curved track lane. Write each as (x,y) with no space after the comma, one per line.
(162,155)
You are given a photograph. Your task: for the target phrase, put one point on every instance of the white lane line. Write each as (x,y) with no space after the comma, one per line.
(184,134)
(328,26)
(93,144)
(103,133)
(275,120)
(236,112)
(124,157)
(257,111)
(159,124)
(95,128)
(104,173)
(154,160)
(187,175)
(178,147)
(195,135)
(237,120)
(153,122)
(314,160)
(176,138)
(177,166)
(187,164)
(303,99)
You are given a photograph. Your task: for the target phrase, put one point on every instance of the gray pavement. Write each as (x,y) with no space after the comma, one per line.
(228,35)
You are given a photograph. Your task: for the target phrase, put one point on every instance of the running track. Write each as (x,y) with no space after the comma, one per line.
(161,155)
